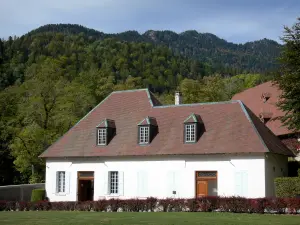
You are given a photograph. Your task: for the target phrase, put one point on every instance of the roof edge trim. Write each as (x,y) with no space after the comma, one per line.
(252,124)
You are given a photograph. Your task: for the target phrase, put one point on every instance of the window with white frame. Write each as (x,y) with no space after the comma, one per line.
(101,136)
(113,182)
(61,181)
(144,134)
(190,133)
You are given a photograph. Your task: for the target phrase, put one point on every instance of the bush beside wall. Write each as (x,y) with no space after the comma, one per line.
(287,187)
(38,195)
(205,204)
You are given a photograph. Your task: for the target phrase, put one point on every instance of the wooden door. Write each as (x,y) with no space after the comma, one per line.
(202,188)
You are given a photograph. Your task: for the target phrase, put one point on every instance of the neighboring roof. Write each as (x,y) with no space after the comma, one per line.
(230,127)
(252,98)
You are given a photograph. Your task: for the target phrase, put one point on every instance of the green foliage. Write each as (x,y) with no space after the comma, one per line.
(51,77)
(38,195)
(289,77)
(287,186)
(218,54)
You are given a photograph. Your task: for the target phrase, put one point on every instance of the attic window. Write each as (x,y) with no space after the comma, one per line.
(105,132)
(144,134)
(102,136)
(265,96)
(190,132)
(147,130)
(265,116)
(191,128)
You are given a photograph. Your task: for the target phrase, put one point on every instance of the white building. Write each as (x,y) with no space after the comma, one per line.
(130,146)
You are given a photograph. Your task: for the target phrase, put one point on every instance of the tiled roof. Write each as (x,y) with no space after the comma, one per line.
(230,127)
(253,99)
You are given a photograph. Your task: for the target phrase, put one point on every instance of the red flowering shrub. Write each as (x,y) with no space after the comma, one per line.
(114,204)
(293,205)
(100,205)
(256,205)
(2,205)
(192,204)
(275,205)
(151,203)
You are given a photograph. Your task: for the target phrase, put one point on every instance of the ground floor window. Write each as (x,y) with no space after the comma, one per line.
(114,182)
(61,181)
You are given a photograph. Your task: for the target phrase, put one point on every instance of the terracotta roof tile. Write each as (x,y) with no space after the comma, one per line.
(229,127)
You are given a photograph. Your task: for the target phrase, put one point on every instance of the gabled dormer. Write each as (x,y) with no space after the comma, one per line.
(147,130)
(106,130)
(192,128)
(265,96)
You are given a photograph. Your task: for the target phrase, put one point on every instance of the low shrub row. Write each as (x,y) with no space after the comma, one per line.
(205,204)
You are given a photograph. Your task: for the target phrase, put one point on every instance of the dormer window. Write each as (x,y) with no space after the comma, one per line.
(105,132)
(192,128)
(265,96)
(102,136)
(190,132)
(147,130)
(144,134)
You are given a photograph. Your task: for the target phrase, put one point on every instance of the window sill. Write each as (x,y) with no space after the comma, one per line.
(61,194)
(114,195)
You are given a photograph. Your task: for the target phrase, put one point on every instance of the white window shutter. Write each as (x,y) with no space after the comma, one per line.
(106,177)
(142,183)
(238,184)
(68,182)
(170,183)
(241,183)
(177,183)
(121,183)
(245,183)
(54,179)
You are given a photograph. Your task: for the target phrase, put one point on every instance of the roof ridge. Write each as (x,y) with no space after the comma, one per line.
(130,90)
(252,124)
(270,81)
(197,104)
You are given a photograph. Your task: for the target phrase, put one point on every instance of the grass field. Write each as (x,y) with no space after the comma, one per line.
(84,218)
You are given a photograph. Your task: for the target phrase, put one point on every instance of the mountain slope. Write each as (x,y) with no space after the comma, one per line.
(257,56)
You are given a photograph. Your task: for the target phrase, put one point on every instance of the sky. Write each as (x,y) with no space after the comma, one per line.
(236,21)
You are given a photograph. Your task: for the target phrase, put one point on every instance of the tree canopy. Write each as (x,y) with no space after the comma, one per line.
(50,80)
(289,77)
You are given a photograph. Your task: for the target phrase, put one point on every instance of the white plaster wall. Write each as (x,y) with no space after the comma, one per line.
(276,166)
(162,175)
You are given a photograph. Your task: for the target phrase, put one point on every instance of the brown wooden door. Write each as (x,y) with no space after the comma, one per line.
(202,188)
(85,190)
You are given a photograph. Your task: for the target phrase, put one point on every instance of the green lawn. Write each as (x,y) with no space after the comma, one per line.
(88,218)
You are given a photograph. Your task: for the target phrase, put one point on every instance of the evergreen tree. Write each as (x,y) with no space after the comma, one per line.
(289,77)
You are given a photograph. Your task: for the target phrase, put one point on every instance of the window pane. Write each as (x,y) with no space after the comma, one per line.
(102,136)
(114,182)
(61,181)
(144,135)
(207,174)
(190,132)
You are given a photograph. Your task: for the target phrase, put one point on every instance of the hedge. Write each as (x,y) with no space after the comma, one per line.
(287,187)
(205,204)
(38,195)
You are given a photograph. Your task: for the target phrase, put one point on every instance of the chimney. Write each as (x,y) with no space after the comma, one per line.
(178,98)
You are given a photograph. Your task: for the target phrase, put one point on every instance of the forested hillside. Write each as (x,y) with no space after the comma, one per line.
(257,56)
(49,79)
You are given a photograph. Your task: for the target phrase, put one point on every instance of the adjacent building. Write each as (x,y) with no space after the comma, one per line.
(262,100)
